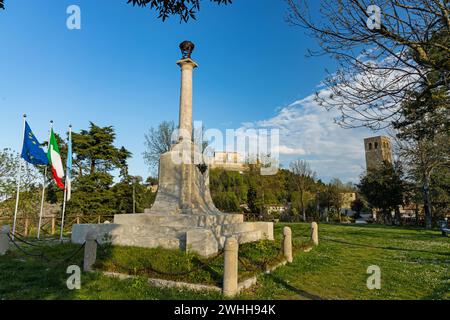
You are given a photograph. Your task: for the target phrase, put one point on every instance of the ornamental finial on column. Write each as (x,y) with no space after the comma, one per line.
(187,47)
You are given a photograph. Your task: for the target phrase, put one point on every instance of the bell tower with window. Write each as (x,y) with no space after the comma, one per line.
(378,149)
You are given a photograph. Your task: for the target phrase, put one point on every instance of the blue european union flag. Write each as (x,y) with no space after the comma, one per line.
(32,151)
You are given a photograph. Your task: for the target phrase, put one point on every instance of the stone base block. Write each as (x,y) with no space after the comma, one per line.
(178,220)
(248,237)
(204,234)
(104,232)
(202,242)
(266,229)
(134,236)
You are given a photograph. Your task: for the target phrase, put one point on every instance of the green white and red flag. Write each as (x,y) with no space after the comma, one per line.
(54,157)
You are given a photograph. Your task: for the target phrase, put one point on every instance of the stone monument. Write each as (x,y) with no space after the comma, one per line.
(183,215)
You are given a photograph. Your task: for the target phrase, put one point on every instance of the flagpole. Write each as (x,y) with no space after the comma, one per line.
(19,177)
(42,203)
(69,167)
(63,213)
(65,193)
(43,187)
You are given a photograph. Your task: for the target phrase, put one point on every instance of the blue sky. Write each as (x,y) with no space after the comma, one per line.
(120,70)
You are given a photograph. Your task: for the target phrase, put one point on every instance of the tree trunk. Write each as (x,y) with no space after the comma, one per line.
(25,233)
(302,203)
(92,167)
(426,201)
(318,208)
(398,218)
(417,214)
(387,217)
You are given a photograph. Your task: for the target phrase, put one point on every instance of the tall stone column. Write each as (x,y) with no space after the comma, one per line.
(187,69)
(187,66)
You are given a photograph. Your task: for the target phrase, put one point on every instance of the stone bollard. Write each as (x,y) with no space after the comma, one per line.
(90,251)
(4,240)
(230,277)
(315,233)
(287,244)
(53,226)
(27,224)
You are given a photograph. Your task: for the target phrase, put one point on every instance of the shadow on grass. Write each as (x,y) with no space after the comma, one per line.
(300,292)
(31,278)
(440,293)
(373,226)
(381,231)
(388,229)
(38,273)
(383,248)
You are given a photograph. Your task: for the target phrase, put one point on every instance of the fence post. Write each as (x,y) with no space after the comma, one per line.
(53,225)
(315,233)
(78,219)
(287,244)
(90,251)
(230,276)
(27,222)
(4,240)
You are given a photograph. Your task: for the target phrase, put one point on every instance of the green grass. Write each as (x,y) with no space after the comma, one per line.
(178,266)
(414,265)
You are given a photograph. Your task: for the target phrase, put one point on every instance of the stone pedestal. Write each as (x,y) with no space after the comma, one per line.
(203,234)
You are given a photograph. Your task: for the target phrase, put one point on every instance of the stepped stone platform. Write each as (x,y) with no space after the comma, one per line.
(203,234)
(184,215)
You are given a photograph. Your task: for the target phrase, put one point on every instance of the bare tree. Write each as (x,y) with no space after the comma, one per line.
(8,168)
(304,177)
(421,159)
(9,165)
(6,163)
(158,141)
(336,189)
(31,178)
(379,67)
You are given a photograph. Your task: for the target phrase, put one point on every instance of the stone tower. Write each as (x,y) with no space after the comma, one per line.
(378,149)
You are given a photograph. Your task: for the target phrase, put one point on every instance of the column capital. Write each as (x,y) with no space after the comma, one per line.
(187,62)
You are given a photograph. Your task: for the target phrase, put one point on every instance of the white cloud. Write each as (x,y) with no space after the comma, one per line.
(290,151)
(308,131)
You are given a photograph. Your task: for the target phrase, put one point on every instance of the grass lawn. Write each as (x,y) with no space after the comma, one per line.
(414,265)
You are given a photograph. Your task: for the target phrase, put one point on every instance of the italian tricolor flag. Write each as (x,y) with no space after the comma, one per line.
(55,161)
